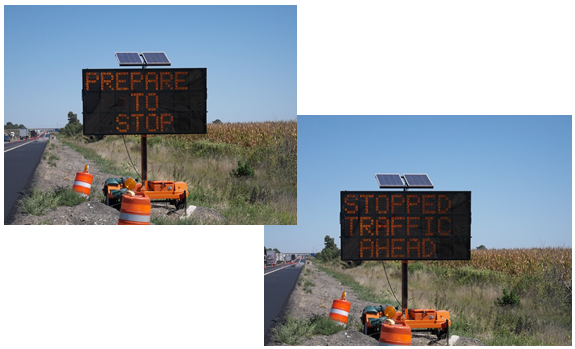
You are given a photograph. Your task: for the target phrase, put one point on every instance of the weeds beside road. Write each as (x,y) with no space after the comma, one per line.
(470,292)
(262,190)
(534,309)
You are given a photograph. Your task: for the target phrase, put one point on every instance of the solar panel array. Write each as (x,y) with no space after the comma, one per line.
(150,58)
(418,181)
(393,180)
(389,180)
(156,58)
(129,58)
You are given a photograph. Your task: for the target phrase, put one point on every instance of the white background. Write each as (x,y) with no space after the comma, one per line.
(182,287)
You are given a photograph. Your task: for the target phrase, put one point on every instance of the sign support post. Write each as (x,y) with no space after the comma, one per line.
(404,281)
(144,146)
(404,287)
(144,151)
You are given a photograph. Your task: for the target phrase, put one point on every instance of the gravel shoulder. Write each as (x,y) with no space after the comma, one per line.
(319,301)
(92,212)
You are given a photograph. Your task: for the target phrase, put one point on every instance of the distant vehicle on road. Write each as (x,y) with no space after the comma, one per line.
(270,257)
(6,138)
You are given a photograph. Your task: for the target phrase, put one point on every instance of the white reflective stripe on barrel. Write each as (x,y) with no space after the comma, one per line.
(340,312)
(134,217)
(82,184)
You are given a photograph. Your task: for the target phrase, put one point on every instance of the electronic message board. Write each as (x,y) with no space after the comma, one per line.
(393,225)
(144,101)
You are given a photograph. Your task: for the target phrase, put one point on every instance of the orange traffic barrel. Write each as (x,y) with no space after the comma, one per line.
(135,209)
(395,333)
(340,310)
(83,183)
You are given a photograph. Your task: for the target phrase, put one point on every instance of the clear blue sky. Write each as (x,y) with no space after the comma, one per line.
(250,53)
(518,169)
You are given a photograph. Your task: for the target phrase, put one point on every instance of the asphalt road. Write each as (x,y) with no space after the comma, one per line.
(279,283)
(20,162)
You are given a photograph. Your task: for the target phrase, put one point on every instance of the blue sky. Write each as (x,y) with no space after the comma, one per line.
(518,169)
(250,53)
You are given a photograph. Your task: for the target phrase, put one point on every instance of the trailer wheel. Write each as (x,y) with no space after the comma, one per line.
(443,333)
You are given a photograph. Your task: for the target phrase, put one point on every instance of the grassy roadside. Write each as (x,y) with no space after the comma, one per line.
(475,299)
(41,202)
(104,165)
(293,331)
(246,172)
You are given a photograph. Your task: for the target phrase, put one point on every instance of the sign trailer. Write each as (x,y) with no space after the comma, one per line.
(407,225)
(129,101)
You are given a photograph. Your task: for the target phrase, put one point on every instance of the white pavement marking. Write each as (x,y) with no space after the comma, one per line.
(21,145)
(273,271)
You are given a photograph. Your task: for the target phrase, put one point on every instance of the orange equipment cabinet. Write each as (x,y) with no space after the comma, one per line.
(176,193)
(437,321)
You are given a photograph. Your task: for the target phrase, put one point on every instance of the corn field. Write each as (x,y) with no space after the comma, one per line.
(518,262)
(250,134)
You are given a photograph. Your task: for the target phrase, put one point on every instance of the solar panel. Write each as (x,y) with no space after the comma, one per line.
(389,180)
(156,58)
(129,58)
(418,181)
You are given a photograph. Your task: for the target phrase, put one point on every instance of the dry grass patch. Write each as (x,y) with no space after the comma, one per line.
(205,162)
(469,289)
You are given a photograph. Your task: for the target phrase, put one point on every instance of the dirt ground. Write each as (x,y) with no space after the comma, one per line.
(92,212)
(319,301)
